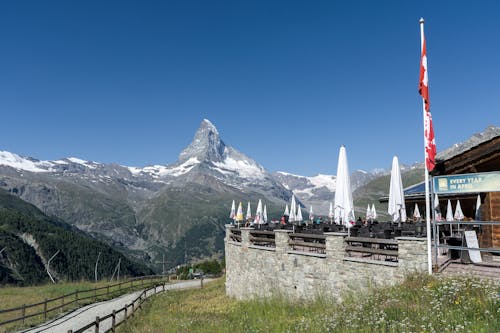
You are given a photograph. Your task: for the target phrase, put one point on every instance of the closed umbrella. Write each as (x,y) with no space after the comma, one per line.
(459,215)
(287,212)
(232,215)
(258,213)
(396,207)
(293,210)
(299,218)
(264,215)
(416,213)
(374,212)
(249,212)
(239,214)
(368,212)
(449,216)
(344,208)
(311,214)
(477,215)
(437,209)
(330,212)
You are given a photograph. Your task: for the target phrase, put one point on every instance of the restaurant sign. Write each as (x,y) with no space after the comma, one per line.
(468,183)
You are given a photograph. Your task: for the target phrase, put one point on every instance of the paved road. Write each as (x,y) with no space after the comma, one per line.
(79,318)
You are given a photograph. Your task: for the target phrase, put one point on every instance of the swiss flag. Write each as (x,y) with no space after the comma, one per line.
(423,89)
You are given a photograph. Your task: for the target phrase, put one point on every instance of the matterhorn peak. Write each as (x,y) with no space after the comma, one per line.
(206,144)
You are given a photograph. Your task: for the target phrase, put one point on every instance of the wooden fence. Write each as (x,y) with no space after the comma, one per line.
(113,316)
(73,300)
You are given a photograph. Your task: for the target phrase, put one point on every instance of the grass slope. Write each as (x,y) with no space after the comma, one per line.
(420,304)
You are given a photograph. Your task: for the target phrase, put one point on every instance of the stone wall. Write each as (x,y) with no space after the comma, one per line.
(256,271)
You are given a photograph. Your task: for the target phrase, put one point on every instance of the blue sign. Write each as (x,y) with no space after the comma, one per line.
(468,183)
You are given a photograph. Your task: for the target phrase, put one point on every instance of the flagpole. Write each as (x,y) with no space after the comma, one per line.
(427,201)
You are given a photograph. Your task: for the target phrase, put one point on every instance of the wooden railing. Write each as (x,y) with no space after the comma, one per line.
(307,243)
(375,248)
(45,309)
(235,235)
(262,238)
(115,315)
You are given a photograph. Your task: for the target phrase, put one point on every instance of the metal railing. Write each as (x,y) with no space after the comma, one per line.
(45,309)
(461,226)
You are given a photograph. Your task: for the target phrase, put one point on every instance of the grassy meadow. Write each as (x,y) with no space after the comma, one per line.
(420,304)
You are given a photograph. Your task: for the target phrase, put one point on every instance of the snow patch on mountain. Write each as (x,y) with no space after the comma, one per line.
(20,163)
(321,180)
(243,168)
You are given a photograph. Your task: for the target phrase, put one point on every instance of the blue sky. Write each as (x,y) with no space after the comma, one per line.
(285,82)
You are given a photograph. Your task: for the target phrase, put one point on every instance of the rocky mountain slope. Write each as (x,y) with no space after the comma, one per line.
(178,210)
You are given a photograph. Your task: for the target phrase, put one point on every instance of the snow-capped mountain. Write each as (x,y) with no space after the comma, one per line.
(148,210)
(319,190)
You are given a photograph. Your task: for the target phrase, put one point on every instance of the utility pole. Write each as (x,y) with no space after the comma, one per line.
(96,262)
(48,266)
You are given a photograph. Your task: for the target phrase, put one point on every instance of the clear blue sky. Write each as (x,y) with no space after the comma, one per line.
(286,82)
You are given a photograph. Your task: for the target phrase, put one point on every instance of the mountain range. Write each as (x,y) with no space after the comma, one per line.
(176,210)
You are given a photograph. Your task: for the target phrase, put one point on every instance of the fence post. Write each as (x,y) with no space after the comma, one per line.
(24,311)
(97,324)
(201,283)
(126,307)
(76,297)
(113,321)
(95,294)
(45,309)
(62,304)
(133,309)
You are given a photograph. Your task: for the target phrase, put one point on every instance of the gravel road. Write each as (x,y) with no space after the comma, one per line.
(79,318)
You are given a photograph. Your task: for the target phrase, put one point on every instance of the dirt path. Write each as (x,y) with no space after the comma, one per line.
(80,317)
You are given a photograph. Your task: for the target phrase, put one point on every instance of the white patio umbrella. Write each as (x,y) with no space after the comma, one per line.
(264,215)
(368,212)
(344,208)
(330,212)
(449,216)
(293,210)
(249,212)
(258,213)
(374,212)
(396,207)
(416,212)
(311,214)
(299,217)
(459,215)
(477,215)
(239,214)
(232,215)
(437,209)
(286,212)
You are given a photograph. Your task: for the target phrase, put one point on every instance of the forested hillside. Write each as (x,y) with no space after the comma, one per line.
(28,238)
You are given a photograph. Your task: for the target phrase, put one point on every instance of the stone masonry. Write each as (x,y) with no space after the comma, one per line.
(256,271)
